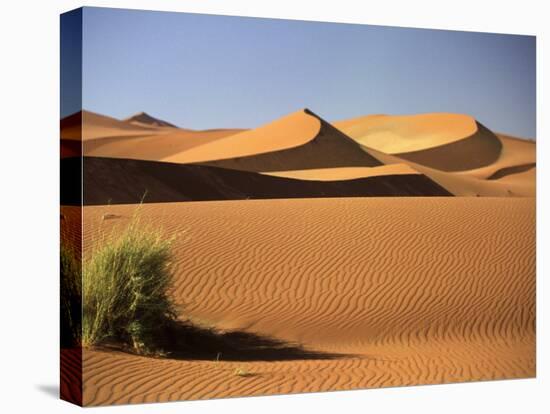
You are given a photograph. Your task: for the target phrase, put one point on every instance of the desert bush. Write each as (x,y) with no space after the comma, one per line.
(70,298)
(126,280)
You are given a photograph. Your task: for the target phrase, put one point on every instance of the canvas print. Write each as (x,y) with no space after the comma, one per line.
(256,206)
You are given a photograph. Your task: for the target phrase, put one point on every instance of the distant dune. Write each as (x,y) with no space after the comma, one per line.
(155,147)
(137,137)
(143,118)
(85,125)
(454,150)
(396,134)
(407,291)
(477,150)
(119,181)
(447,142)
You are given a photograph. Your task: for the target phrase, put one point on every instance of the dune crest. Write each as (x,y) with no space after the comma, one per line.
(290,131)
(328,148)
(86,125)
(143,118)
(394,134)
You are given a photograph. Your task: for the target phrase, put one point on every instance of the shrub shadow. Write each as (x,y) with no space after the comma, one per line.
(182,340)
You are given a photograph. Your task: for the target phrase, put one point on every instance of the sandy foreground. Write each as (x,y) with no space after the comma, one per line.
(383,293)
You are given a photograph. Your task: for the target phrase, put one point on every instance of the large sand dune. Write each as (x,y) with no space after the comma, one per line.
(448,142)
(414,291)
(138,137)
(153,147)
(120,181)
(301,140)
(476,184)
(395,134)
(453,150)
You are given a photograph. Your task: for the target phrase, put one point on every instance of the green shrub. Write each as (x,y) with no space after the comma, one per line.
(70,298)
(126,280)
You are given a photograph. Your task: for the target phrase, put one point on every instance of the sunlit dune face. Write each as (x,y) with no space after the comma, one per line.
(394,134)
(290,131)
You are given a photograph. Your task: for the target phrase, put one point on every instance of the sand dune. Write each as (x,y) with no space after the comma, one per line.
(453,150)
(447,142)
(120,181)
(420,291)
(144,119)
(395,134)
(477,150)
(156,147)
(526,180)
(463,184)
(326,148)
(515,152)
(85,125)
(287,132)
(138,137)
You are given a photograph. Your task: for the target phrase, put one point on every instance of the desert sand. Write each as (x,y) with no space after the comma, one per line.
(426,290)
(306,278)
(453,150)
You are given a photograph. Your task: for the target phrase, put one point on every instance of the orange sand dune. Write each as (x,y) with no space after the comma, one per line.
(144,119)
(87,125)
(345,173)
(524,179)
(515,152)
(448,142)
(420,291)
(290,131)
(464,184)
(260,150)
(138,137)
(394,134)
(153,147)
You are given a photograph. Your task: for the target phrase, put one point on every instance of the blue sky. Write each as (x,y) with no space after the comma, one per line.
(206,71)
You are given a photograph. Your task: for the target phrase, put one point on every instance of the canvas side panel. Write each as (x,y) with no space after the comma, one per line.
(71,206)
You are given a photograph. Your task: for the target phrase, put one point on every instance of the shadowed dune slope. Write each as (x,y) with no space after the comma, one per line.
(330,148)
(516,169)
(462,184)
(300,140)
(420,291)
(119,181)
(447,142)
(515,152)
(479,149)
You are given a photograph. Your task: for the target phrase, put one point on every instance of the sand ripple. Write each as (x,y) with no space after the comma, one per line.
(420,291)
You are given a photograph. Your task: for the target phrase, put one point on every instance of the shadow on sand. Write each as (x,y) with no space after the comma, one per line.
(187,342)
